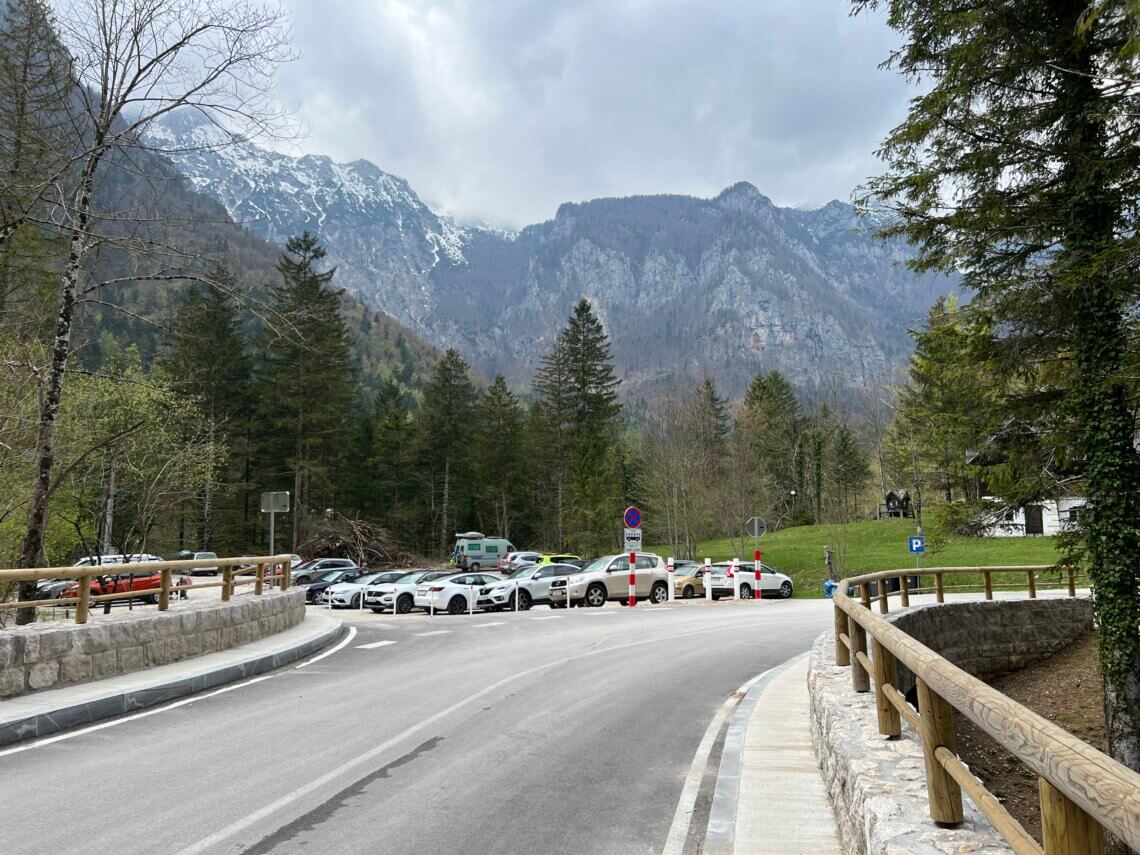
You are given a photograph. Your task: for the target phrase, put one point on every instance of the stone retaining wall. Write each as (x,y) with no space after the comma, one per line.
(46,655)
(878,786)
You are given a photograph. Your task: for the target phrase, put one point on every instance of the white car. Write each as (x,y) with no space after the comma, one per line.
(345,595)
(454,594)
(532,583)
(772,584)
(399,595)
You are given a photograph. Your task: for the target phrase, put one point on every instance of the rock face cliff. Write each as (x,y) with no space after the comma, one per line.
(728,286)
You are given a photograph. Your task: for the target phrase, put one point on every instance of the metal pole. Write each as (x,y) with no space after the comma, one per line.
(632,581)
(271,514)
(758,593)
(672,581)
(708,579)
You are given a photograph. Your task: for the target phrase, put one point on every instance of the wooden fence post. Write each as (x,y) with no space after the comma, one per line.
(1072,583)
(227,583)
(904,592)
(884,608)
(1065,828)
(860,679)
(943,792)
(842,654)
(286,573)
(83,599)
(164,589)
(865,594)
(988,581)
(1032,584)
(938,592)
(886,674)
(257,585)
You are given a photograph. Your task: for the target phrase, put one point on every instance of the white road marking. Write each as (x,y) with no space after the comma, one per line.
(493,623)
(433,632)
(602,613)
(343,644)
(687,803)
(549,617)
(374,645)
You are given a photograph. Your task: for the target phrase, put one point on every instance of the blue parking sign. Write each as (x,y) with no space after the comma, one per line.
(917,544)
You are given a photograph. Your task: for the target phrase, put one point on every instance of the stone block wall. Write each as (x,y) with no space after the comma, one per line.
(46,655)
(989,638)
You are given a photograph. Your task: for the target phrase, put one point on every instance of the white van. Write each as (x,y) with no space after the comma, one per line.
(473,551)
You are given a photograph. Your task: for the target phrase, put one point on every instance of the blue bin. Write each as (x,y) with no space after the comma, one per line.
(829,586)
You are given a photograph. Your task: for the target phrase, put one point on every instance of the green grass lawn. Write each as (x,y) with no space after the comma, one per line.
(866,547)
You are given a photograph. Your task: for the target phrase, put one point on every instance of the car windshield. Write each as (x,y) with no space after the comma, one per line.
(385,578)
(330,576)
(522,571)
(365,580)
(431,577)
(599,564)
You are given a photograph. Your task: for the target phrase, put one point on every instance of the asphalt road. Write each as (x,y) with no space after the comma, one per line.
(541,732)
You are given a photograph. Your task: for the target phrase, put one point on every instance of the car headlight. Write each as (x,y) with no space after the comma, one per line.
(576,580)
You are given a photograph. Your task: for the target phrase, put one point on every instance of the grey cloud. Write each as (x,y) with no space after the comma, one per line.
(503,109)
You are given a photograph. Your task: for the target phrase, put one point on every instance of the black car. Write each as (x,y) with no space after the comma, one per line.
(314,589)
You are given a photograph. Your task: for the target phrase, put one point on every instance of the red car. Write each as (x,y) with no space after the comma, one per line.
(120,583)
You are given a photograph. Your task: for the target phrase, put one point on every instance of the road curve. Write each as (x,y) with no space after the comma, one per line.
(544,731)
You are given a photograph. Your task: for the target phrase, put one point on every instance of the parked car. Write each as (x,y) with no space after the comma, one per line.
(533,584)
(608,579)
(474,551)
(120,583)
(689,581)
(399,594)
(315,589)
(307,571)
(454,594)
(52,589)
(772,583)
(349,594)
(188,555)
(515,560)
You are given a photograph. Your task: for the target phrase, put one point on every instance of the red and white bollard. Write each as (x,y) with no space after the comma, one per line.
(734,572)
(707,578)
(672,582)
(758,592)
(633,579)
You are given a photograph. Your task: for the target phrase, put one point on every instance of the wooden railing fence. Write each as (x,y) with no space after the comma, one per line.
(1083,792)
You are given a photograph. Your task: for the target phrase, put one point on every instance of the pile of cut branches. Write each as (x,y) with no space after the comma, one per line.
(367,544)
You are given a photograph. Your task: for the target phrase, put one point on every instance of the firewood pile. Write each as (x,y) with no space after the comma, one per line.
(367,544)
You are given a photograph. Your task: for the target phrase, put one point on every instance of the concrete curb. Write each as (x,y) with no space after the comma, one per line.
(720,838)
(49,712)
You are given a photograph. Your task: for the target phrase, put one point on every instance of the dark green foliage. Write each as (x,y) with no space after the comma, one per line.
(1020,165)
(499,463)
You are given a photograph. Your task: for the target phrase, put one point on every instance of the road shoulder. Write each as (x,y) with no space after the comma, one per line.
(44,713)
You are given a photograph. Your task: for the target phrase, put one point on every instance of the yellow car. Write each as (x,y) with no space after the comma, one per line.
(556,558)
(689,581)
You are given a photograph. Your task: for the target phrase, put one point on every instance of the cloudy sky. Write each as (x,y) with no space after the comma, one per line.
(502,109)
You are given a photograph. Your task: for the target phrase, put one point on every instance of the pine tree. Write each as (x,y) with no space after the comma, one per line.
(393,458)
(445,435)
(305,375)
(208,362)
(774,427)
(499,456)
(1041,151)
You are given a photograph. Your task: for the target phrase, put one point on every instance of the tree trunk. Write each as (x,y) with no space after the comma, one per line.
(31,551)
(445,507)
(205,530)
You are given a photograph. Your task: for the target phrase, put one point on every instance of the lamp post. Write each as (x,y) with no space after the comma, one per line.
(793,507)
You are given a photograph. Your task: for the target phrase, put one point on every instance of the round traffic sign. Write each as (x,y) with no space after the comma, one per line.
(632,517)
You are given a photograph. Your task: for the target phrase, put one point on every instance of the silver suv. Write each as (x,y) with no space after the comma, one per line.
(608,579)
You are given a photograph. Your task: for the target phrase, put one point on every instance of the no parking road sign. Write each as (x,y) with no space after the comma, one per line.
(917,544)
(632,517)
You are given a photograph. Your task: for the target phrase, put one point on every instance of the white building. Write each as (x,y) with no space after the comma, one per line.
(1046,518)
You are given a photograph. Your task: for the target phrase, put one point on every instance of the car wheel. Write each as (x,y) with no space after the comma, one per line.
(786,590)
(525,601)
(475,567)
(458,605)
(404,604)
(659,594)
(746,592)
(355,603)
(301,580)
(596,596)
(716,596)
(688,593)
